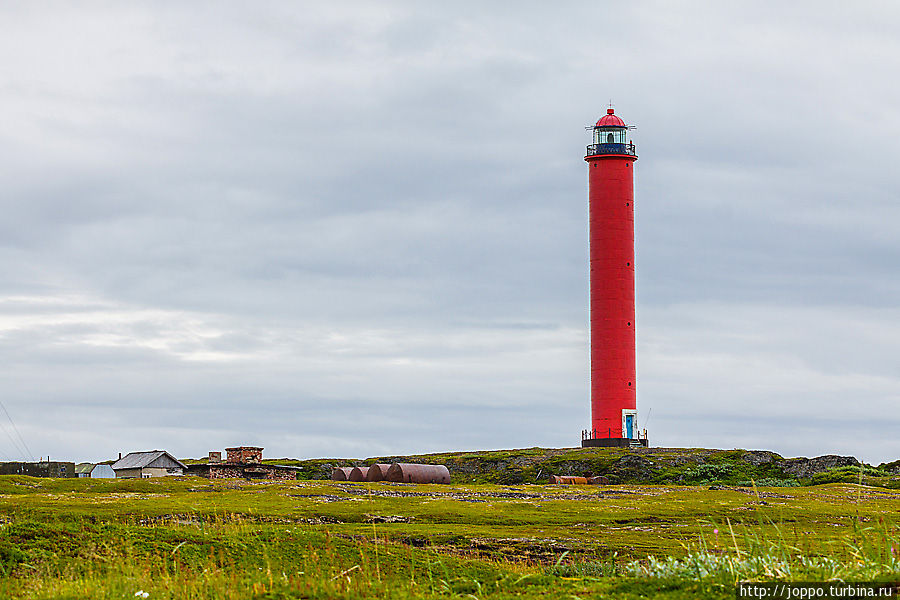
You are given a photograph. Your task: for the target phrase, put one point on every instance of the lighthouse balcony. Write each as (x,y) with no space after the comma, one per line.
(593,438)
(595,149)
(615,443)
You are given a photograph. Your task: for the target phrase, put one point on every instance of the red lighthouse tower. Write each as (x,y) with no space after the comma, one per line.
(610,160)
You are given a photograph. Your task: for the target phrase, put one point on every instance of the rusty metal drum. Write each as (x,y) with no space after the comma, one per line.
(568,480)
(377,472)
(358,474)
(413,473)
(341,473)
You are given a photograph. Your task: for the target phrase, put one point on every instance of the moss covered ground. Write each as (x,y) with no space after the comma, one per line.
(193,538)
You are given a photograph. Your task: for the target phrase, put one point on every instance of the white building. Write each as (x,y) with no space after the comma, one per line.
(95,471)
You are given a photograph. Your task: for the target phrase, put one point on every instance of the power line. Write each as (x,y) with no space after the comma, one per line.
(12,440)
(16,429)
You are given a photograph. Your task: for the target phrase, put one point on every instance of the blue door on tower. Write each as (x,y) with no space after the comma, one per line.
(629,425)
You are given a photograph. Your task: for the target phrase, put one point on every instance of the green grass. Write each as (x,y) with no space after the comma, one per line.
(193,538)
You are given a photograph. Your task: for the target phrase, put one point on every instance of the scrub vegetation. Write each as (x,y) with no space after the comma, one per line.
(194,538)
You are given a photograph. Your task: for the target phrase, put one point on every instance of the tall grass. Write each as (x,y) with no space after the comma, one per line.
(260,547)
(765,553)
(227,557)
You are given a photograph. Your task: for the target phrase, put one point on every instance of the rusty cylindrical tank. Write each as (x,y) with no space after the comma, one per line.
(377,472)
(358,474)
(340,473)
(412,473)
(568,479)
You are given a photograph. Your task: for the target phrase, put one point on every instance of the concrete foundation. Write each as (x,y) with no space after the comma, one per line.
(614,443)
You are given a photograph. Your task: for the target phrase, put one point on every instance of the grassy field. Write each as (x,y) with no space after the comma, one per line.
(192,538)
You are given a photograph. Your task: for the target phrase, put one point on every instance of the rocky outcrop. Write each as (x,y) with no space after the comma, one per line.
(322,468)
(807,467)
(660,465)
(692,466)
(759,457)
(632,467)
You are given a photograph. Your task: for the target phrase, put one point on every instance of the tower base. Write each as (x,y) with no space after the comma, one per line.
(615,443)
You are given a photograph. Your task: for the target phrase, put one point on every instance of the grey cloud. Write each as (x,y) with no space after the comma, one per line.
(236,222)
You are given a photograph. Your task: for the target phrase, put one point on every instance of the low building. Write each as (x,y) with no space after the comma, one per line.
(153,463)
(44,468)
(242,462)
(101,470)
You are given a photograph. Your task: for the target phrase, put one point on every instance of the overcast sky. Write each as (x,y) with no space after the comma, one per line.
(358,229)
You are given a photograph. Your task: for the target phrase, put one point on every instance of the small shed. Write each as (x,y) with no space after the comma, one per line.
(101,470)
(153,463)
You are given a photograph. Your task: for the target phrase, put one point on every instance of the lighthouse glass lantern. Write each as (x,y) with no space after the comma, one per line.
(610,136)
(610,160)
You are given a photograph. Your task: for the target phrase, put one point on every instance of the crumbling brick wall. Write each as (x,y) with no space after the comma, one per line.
(244,454)
(226,471)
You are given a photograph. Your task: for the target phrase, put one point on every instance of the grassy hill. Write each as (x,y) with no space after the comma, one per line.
(684,466)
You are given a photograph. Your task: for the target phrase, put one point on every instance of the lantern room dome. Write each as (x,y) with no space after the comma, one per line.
(610,120)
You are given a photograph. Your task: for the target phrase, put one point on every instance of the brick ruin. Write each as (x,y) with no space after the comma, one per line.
(244,455)
(242,462)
